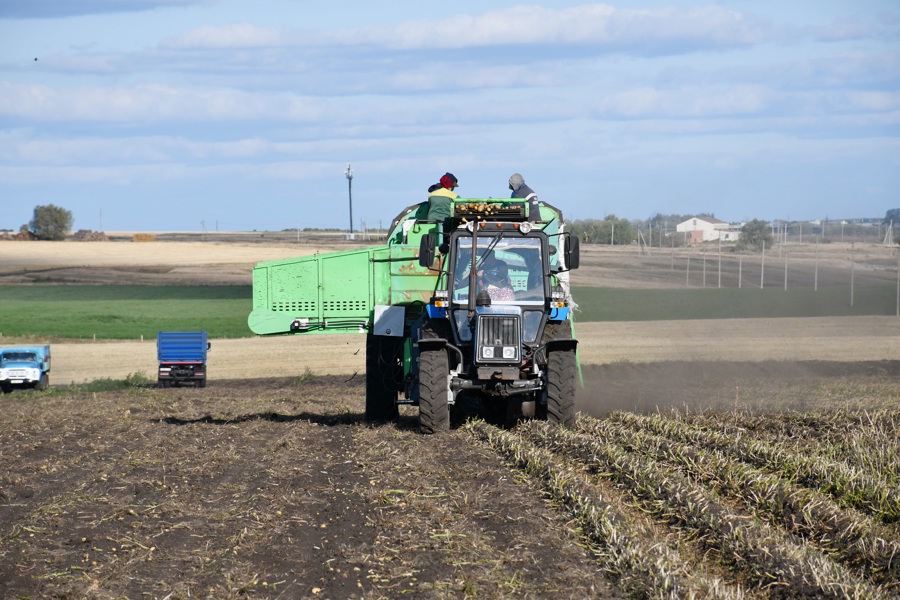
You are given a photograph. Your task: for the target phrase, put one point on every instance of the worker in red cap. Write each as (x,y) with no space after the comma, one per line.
(441,197)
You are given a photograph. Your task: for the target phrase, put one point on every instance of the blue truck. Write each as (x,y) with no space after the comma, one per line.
(182,358)
(25,367)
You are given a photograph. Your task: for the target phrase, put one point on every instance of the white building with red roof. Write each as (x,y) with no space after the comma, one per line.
(706,229)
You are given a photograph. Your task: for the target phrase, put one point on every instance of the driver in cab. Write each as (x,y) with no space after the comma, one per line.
(493,277)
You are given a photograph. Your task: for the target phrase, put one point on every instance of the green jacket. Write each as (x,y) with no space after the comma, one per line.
(439,202)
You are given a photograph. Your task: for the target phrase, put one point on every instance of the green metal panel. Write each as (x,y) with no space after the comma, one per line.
(332,292)
(381,276)
(410,282)
(345,287)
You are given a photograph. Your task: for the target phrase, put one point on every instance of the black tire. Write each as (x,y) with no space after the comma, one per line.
(163,383)
(434,409)
(561,374)
(201,383)
(384,376)
(7,388)
(44,383)
(513,412)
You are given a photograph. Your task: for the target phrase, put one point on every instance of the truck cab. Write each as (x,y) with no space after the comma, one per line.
(24,368)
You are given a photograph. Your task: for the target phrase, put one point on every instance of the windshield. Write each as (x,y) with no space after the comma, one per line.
(17,357)
(510,269)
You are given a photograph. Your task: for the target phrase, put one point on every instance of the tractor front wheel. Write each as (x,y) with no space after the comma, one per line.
(561,373)
(434,392)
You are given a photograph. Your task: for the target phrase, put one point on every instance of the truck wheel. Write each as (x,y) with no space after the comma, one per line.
(384,375)
(163,383)
(434,410)
(7,388)
(561,373)
(201,382)
(44,383)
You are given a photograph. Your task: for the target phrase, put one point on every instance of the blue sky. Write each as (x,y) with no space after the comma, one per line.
(155,115)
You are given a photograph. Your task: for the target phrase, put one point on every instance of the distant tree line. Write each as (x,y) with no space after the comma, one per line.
(754,234)
(51,222)
(619,232)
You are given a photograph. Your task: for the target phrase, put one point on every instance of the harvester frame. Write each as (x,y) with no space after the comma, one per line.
(429,342)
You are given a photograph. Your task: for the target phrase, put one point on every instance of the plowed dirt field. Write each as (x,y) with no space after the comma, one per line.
(777,478)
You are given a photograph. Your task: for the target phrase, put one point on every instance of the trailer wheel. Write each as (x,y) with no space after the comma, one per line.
(434,409)
(384,374)
(561,373)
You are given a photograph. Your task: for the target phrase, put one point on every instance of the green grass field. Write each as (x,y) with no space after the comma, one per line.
(131,311)
(613,304)
(123,312)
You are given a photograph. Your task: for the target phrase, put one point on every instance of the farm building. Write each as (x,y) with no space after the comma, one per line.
(705,229)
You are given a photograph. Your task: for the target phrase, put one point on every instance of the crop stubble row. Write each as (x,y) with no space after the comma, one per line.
(739,523)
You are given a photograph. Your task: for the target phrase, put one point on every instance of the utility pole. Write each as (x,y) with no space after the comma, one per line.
(349,175)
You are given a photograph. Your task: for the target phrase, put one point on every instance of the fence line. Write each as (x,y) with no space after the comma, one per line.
(794,267)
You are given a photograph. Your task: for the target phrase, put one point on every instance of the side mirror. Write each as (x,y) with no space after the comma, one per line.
(426,250)
(573,251)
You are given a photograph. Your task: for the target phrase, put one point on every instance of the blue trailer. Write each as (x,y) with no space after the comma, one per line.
(182,357)
(24,367)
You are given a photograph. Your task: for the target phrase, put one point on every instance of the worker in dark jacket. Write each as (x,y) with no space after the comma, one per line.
(521,190)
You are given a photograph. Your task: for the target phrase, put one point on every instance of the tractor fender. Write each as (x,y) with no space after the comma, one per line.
(432,343)
(562,344)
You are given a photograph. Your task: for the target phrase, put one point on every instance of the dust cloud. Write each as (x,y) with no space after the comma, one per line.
(695,386)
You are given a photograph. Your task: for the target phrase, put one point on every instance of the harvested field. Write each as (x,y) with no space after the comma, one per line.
(275,488)
(146,263)
(776,479)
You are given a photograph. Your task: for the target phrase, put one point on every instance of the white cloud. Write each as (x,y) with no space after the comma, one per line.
(236,35)
(590,24)
(151,102)
(648,30)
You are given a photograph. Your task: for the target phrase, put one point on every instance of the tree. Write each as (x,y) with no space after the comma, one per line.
(754,234)
(592,231)
(51,222)
(892,216)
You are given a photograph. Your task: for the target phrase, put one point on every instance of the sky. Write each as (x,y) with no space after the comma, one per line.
(156,115)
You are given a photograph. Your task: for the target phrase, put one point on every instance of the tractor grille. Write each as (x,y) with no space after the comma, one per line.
(498,339)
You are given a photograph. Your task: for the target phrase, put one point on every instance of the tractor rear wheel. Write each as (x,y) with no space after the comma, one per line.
(434,392)
(561,373)
(384,374)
